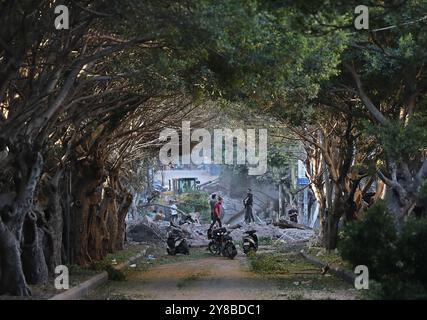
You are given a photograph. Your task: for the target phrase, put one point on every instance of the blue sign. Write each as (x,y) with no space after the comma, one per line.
(303,181)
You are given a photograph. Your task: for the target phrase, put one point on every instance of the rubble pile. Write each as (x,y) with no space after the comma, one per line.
(150,231)
(146,230)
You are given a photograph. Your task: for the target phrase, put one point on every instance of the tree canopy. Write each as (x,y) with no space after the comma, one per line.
(81,109)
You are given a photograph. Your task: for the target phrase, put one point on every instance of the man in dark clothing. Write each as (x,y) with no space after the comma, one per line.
(217,213)
(248,202)
(212,202)
(293,215)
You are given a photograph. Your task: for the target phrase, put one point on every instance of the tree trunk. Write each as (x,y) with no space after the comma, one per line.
(121,228)
(112,218)
(331,234)
(33,259)
(51,216)
(12,280)
(86,195)
(332,220)
(28,168)
(121,201)
(98,237)
(321,200)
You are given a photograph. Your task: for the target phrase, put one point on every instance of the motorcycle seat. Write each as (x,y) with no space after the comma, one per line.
(250,232)
(219,230)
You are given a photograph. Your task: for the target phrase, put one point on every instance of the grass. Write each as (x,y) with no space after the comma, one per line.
(331,257)
(290,263)
(294,274)
(79,274)
(265,241)
(120,257)
(82,273)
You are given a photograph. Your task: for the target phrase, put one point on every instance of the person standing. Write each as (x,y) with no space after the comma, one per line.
(212,202)
(293,215)
(217,214)
(174,212)
(248,202)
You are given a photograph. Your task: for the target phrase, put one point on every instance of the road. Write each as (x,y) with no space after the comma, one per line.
(211,278)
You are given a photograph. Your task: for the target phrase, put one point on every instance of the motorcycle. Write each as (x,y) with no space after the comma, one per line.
(176,242)
(250,242)
(221,243)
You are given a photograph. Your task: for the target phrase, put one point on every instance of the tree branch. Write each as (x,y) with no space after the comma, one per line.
(376,113)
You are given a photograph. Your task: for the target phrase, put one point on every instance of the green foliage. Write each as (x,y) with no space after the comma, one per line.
(423,192)
(255,55)
(402,142)
(371,241)
(394,289)
(264,263)
(278,158)
(396,260)
(412,250)
(195,201)
(105,265)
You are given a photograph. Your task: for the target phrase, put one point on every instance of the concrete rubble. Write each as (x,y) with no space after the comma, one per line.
(149,231)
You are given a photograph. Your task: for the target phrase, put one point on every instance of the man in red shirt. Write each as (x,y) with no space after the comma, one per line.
(217,213)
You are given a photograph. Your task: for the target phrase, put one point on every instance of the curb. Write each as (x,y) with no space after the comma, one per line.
(336,271)
(87,286)
(125,264)
(83,288)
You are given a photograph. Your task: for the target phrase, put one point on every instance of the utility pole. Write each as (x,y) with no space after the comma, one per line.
(280,201)
(303,181)
(305,210)
(163,175)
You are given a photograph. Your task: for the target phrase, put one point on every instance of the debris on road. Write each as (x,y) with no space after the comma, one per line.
(151,231)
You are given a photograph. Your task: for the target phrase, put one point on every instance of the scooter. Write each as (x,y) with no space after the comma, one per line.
(250,242)
(176,242)
(221,243)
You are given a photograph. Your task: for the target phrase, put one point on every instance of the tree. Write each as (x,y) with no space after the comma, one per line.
(382,69)
(68,99)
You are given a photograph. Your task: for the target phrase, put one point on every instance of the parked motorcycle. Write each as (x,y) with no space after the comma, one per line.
(250,242)
(221,243)
(176,242)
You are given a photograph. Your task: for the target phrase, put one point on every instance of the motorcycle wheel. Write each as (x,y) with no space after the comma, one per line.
(246,249)
(171,252)
(214,248)
(230,250)
(252,250)
(183,247)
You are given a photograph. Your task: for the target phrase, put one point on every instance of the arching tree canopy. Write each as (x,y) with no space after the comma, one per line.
(81,109)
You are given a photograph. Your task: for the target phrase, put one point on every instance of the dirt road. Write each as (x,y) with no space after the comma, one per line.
(210,278)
